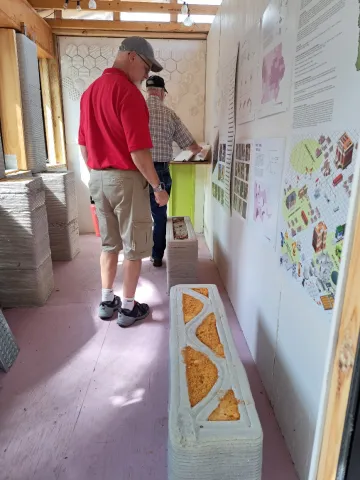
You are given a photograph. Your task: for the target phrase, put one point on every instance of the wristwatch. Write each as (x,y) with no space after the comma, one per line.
(159,188)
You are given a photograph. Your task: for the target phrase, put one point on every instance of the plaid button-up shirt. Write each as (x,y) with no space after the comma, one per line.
(166,128)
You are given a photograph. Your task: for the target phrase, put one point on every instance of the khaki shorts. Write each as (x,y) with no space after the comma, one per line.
(123,208)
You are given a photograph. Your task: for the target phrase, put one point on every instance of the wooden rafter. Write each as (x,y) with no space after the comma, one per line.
(123,6)
(19,15)
(120,26)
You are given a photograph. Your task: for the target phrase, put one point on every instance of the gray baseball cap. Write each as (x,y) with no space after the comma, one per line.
(143,48)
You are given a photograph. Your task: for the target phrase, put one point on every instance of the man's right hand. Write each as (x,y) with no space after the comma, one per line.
(161,198)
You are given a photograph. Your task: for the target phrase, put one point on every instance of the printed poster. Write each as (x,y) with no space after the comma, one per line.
(265,186)
(320,162)
(276,59)
(247,77)
(241,176)
(221,177)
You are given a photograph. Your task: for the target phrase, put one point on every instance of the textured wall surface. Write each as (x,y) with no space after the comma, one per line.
(84,59)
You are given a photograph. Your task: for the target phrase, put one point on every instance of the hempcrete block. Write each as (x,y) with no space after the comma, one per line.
(26,276)
(182,254)
(8,347)
(62,214)
(64,240)
(197,447)
(26,287)
(60,194)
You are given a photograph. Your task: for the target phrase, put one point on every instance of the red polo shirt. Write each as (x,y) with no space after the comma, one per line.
(114,121)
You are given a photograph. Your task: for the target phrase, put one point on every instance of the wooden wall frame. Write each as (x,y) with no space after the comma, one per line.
(11,113)
(343,363)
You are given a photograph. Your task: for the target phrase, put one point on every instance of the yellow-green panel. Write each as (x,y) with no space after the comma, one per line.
(182,199)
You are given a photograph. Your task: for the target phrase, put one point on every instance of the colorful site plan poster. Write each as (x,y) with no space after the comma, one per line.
(315,200)
(241,176)
(320,162)
(265,185)
(221,175)
(247,76)
(276,59)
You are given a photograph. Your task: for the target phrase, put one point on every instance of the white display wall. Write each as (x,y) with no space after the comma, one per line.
(315,101)
(84,59)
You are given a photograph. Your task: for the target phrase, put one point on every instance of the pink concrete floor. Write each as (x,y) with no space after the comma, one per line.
(87,400)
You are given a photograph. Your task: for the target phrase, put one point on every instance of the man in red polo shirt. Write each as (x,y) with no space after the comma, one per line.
(115,143)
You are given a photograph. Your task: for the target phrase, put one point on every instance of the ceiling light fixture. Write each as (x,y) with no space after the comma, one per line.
(78,6)
(92,5)
(65,6)
(184,8)
(188,21)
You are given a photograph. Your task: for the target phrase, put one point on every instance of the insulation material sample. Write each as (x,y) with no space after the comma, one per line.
(26,276)
(214,429)
(34,131)
(181,251)
(8,347)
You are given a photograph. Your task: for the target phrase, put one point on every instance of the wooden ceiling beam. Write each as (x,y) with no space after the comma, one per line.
(20,16)
(144,27)
(124,6)
(63,32)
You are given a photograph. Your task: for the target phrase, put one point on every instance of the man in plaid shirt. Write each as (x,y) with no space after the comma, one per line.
(165,128)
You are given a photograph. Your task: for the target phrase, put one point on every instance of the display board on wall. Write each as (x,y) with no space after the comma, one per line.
(323,147)
(265,185)
(221,176)
(241,176)
(247,76)
(276,59)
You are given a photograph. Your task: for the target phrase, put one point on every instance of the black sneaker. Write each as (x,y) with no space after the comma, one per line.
(126,318)
(107,309)
(157,262)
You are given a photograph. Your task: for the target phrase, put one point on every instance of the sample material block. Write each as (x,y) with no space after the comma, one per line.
(26,276)
(214,429)
(181,251)
(62,214)
(8,347)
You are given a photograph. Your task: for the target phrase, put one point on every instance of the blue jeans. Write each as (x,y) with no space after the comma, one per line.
(159,214)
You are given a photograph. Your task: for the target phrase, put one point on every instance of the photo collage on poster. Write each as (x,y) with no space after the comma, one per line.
(221,164)
(241,178)
(218,193)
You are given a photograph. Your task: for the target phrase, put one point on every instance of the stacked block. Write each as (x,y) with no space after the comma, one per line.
(214,429)
(8,347)
(182,251)
(34,132)
(62,214)
(26,275)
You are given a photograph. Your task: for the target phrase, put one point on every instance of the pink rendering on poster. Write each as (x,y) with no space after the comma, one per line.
(261,207)
(273,71)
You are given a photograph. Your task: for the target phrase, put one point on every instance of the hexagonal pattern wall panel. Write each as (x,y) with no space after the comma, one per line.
(84,59)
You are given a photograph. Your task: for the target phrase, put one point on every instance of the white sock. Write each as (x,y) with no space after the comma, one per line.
(107,295)
(128,304)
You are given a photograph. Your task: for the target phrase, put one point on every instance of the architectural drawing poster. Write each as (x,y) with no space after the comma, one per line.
(221,176)
(241,177)
(276,59)
(265,185)
(247,76)
(320,162)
